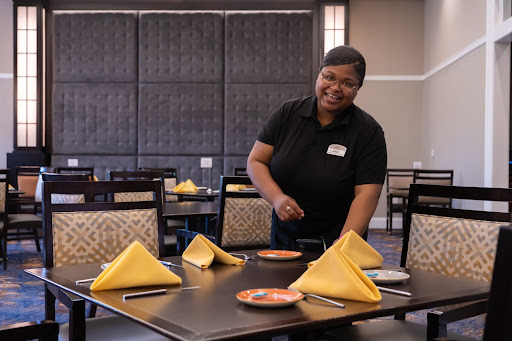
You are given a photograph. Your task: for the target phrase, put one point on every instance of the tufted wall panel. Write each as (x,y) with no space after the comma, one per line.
(101,163)
(165,88)
(99,47)
(95,118)
(181,47)
(188,167)
(272,47)
(180,119)
(248,107)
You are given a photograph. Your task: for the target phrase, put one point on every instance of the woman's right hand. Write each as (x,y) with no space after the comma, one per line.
(287,208)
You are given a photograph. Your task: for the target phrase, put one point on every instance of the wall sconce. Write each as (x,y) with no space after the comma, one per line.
(335,21)
(28,77)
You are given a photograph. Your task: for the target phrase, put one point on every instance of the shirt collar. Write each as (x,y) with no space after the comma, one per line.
(343,119)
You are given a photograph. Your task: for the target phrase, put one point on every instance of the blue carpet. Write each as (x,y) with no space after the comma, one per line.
(22,295)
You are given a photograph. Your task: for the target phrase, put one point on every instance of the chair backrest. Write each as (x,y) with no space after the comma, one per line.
(244,218)
(453,241)
(398,181)
(499,311)
(434,177)
(134,175)
(4,189)
(27,177)
(66,198)
(170,181)
(46,330)
(240,171)
(97,232)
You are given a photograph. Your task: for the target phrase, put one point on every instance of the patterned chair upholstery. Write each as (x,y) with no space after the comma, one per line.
(134,175)
(457,242)
(244,218)
(97,232)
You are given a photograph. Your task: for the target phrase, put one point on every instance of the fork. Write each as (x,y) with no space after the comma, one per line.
(319,298)
(246,257)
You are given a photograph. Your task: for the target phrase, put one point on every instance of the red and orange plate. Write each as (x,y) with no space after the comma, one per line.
(279,254)
(269,298)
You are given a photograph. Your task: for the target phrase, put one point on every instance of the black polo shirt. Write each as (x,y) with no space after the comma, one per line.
(319,166)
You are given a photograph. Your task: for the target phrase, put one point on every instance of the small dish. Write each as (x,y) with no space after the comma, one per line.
(279,254)
(386,276)
(269,298)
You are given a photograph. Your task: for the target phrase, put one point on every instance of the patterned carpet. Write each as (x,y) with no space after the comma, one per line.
(22,295)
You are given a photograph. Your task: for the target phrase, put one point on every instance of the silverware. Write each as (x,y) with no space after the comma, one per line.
(170,264)
(157,292)
(394,291)
(81,281)
(246,257)
(320,298)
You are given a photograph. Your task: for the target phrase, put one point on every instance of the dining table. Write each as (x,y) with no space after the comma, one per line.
(201,194)
(213,312)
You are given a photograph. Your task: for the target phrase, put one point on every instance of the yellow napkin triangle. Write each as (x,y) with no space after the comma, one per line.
(358,250)
(202,252)
(187,186)
(334,274)
(134,267)
(10,186)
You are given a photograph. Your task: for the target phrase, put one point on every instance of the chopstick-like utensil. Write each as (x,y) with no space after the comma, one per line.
(81,281)
(170,264)
(394,291)
(156,292)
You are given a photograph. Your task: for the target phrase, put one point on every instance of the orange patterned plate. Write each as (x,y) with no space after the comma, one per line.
(279,254)
(269,298)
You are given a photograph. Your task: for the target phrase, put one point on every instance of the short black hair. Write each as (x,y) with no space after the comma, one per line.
(343,55)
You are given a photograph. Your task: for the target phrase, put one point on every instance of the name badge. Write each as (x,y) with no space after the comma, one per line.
(337,150)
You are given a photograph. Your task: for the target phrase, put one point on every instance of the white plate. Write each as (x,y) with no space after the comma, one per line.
(387,276)
(279,254)
(202,187)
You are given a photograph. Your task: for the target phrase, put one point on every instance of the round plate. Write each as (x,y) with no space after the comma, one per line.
(279,254)
(387,276)
(104,266)
(274,298)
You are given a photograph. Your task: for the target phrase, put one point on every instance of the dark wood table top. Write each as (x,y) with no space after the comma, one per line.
(212,312)
(190,208)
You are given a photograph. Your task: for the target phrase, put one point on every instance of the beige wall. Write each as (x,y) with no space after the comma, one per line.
(6,95)
(389,34)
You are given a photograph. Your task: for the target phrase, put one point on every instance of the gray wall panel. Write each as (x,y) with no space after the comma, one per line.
(95,119)
(181,119)
(247,108)
(181,47)
(268,47)
(96,47)
(100,163)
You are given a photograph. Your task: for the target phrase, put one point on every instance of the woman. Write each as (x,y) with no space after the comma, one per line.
(321,160)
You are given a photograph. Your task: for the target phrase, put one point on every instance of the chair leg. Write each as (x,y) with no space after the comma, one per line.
(390,215)
(36,239)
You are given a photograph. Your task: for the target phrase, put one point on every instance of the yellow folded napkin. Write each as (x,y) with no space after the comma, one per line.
(187,186)
(358,250)
(234,188)
(134,267)
(10,186)
(94,178)
(202,252)
(334,274)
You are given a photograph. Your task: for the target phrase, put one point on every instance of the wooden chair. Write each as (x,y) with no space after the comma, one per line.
(243,219)
(67,198)
(27,180)
(42,330)
(75,170)
(110,227)
(170,181)
(451,241)
(397,190)
(241,171)
(21,226)
(434,177)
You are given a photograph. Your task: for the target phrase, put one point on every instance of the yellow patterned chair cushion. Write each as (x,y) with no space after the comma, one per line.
(100,236)
(67,198)
(246,222)
(2,196)
(453,246)
(133,196)
(169,184)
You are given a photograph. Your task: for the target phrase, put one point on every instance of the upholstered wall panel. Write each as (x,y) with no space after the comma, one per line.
(188,167)
(232,162)
(96,47)
(268,47)
(184,47)
(180,119)
(247,108)
(94,118)
(100,163)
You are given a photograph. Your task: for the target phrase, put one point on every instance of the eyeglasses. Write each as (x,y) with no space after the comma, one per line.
(330,81)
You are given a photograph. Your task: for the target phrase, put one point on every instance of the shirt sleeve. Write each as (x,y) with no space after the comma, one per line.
(372,164)
(269,131)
